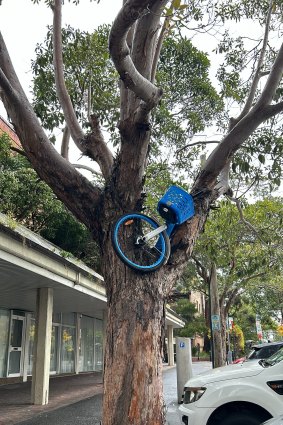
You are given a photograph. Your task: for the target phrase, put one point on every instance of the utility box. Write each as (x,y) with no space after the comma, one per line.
(183,364)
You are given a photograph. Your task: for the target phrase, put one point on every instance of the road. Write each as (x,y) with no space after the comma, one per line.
(88,412)
(170,390)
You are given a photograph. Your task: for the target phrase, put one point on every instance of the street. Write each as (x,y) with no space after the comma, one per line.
(88,411)
(170,390)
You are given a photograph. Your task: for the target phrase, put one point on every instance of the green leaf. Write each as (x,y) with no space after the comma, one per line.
(176,4)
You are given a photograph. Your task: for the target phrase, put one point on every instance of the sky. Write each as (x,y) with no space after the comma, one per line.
(24,24)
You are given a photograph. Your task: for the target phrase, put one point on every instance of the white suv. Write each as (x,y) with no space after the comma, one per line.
(241,394)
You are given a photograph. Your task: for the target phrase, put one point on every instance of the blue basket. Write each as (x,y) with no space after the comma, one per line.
(176,206)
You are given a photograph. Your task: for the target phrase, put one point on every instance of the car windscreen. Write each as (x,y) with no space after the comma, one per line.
(263,352)
(274,359)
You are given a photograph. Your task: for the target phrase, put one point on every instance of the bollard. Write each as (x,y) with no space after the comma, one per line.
(183,364)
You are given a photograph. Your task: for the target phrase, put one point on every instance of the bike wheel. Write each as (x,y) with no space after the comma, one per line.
(132,250)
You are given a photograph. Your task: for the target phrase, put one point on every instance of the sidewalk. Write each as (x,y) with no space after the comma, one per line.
(15,398)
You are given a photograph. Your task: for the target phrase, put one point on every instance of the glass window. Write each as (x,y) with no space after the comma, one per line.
(4,335)
(30,346)
(68,319)
(56,318)
(16,345)
(16,333)
(19,313)
(68,349)
(15,362)
(86,361)
(54,349)
(98,341)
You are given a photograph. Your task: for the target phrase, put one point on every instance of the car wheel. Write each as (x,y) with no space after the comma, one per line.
(241,418)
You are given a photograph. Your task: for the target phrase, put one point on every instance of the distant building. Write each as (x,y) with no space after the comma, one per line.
(6,128)
(198,299)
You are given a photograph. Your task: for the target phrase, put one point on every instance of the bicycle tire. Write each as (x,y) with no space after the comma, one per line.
(147,256)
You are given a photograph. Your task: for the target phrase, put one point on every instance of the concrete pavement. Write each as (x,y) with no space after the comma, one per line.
(84,412)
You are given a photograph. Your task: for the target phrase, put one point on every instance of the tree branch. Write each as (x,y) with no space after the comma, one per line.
(273,110)
(189,145)
(85,167)
(131,11)
(202,271)
(273,81)
(258,73)
(92,145)
(158,48)
(239,133)
(65,143)
(261,111)
(63,95)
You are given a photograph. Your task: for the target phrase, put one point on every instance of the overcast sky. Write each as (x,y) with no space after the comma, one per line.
(24,24)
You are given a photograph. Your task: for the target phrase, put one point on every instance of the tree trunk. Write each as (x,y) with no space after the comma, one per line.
(218,357)
(207,343)
(223,328)
(134,346)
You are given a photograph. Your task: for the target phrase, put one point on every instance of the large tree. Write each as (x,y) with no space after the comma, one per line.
(133,367)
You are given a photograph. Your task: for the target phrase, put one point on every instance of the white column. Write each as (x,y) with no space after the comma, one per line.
(78,336)
(42,348)
(170,345)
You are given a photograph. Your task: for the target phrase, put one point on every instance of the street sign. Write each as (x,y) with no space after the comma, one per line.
(215,322)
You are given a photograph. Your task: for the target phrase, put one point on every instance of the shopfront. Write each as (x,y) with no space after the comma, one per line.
(76,343)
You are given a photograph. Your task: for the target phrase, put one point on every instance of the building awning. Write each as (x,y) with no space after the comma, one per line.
(28,262)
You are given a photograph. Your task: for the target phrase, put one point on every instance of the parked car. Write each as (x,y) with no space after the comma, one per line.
(265,350)
(242,394)
(261,351)
(275,421)
(240,360)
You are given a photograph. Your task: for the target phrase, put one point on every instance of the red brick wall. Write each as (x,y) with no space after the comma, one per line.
(6,128)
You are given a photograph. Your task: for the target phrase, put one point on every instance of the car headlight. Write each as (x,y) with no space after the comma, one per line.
(192,394)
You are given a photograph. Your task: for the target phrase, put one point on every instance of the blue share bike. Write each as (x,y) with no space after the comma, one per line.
(141,242)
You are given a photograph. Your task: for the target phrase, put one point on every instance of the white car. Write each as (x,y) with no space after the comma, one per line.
(241,394)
